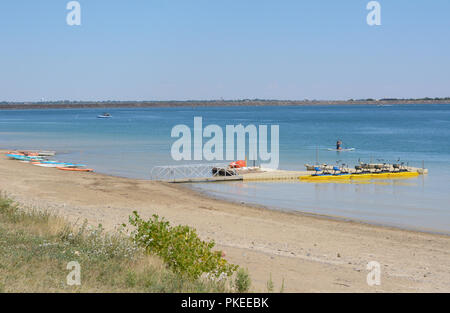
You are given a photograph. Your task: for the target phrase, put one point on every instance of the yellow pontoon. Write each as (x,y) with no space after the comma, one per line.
(312,178)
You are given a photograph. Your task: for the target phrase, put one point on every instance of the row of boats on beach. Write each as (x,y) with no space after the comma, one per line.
(42,159)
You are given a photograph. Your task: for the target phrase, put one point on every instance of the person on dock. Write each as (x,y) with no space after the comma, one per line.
(339,145)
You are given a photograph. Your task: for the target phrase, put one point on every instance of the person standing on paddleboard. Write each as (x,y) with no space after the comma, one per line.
(338,145)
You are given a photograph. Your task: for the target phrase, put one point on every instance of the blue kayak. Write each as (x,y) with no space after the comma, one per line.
(23,157)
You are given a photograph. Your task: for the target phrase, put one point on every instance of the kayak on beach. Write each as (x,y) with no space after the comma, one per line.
(74,169)
(50,164)
(23,157)
(40,161)
(56,164)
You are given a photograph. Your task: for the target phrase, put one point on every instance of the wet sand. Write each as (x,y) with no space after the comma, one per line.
(311,254)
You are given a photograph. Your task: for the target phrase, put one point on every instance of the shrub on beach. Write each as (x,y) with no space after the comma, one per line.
(36,246)
(180,248)
(242,281)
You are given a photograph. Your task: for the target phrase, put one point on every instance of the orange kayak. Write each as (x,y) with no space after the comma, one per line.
(73,169)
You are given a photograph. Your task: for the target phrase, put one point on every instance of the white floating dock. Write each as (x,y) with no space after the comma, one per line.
(272,175)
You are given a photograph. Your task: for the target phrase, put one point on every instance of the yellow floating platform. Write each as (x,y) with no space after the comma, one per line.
(312,178)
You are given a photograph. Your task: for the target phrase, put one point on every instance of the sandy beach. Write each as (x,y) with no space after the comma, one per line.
(311,254)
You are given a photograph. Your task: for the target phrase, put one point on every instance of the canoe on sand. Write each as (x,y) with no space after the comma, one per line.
(74,169)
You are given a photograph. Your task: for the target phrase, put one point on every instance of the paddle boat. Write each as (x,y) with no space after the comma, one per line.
(334,177)
(362,171)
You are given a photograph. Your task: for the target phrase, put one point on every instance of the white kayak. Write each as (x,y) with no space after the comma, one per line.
(51,165)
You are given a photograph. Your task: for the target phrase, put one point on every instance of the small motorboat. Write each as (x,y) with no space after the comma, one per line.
(104,115)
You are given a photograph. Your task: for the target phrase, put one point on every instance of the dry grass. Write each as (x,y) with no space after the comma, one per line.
(35,248)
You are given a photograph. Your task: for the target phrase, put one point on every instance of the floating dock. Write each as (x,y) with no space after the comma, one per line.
(275,175)
(211,179)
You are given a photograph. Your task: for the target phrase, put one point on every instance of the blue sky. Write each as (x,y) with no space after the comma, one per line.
(234,49)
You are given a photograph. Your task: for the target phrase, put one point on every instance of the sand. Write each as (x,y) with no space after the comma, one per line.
(308,253)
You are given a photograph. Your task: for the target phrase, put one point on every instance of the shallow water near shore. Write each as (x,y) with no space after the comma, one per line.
(135,140)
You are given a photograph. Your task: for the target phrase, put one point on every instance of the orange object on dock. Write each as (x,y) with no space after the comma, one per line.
(238,164)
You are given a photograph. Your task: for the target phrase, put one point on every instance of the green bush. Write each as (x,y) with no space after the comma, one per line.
(242,282)
(180,248)
(36,246)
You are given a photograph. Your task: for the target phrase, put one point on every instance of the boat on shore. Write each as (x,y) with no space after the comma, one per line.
(37,153)
(50,164)
(33,153)
(22,157)
(75,169)
(57,164)
(34,159)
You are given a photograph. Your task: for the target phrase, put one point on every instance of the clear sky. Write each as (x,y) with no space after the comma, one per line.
(231,49)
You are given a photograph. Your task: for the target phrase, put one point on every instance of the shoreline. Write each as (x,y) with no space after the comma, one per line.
(201,103)
(205,194)
(311,253)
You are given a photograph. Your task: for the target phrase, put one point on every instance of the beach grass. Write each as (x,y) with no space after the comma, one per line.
(36,247)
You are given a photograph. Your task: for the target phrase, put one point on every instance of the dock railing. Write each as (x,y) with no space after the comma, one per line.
(188,171)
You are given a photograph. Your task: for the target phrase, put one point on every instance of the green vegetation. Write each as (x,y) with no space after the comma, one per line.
(282,286)
(35,248)
(180,247)
(269,285)
(192,103)
(242,282)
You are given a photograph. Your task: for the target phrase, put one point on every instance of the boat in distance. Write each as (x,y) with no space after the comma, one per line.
(104,115)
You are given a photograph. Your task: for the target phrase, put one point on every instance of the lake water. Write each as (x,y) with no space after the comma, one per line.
(135,140)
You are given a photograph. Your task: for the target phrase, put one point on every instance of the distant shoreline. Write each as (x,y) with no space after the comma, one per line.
(215,103)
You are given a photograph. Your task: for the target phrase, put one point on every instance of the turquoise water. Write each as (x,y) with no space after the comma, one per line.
(135,140)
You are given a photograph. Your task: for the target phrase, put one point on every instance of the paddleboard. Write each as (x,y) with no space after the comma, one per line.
(343,149)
